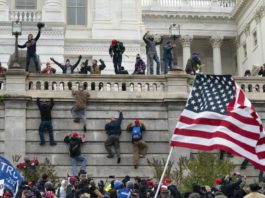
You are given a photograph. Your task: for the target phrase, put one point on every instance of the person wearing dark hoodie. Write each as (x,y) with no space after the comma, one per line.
(113,129)
(31,48)
(67,68)
(229,187)
(46,120)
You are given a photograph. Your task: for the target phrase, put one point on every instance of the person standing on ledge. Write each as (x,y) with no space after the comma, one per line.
(31,49)
(151,52)
(67,68)
(113,129)
(116,50)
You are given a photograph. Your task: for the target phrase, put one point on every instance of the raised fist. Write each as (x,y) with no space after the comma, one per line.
(40,25)
(51,58)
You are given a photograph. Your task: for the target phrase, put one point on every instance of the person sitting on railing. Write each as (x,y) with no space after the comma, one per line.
(194,64)
(262,70)
(31,48)
(152,52)
(140,66)
(48,69)
(67,68)
(2,69)
(79,109)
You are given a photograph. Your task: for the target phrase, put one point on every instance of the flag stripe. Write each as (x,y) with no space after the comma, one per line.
(219,116)
(214,122)
(216,134)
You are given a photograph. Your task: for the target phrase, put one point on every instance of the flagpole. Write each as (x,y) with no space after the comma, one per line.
(164,171)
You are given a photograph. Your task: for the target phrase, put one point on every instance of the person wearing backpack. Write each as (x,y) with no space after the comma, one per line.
(139,65)
(116,50)
(113,130)
(139,145)
(75,141)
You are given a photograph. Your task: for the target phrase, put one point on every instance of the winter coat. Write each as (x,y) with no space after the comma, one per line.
(66,68)
(31,45)
(80,98)
(45,110)
(151,45)
(114,127)
(254,195)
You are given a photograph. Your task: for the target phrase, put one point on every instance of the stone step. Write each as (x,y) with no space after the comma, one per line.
(68,124)
(95,159)
(103,172)
(91,148)
(102,114)
(100,136)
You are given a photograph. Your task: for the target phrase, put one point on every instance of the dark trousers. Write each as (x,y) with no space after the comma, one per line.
(113,140)
(35,60)
(117,59)
(154,57)
(46,125)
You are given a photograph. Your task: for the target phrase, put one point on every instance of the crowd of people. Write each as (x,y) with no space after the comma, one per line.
(116,51)
(82,186)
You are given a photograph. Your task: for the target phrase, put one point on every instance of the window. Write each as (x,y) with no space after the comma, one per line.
(26,4)
(245,50)
(76,12)
(255,38)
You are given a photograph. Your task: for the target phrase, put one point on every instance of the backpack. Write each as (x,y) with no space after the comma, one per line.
(74,148)
(124,193)
(136,133)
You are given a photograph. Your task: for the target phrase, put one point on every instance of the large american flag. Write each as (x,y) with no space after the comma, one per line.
(217,115)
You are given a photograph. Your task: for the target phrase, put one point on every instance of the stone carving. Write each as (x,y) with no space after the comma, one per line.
(216,41)
(186,40)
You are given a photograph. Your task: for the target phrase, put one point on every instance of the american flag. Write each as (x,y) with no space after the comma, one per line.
(217,115)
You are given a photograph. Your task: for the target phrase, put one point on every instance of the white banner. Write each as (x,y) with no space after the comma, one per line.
(2,186)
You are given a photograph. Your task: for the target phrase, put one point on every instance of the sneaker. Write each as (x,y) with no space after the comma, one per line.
(53,143)
(84,128)
(110,156)
(141,156)
(118,160)
(42,143)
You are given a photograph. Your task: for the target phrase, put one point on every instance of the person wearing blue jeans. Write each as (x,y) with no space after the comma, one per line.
(75,141)
(167,57)
(152,52)
(46,120)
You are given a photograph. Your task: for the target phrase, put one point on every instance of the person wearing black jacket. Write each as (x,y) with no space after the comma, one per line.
(46,120)
(113,130)
(75,141)
(116,50)
(67,68)
(31,49)
(228,187)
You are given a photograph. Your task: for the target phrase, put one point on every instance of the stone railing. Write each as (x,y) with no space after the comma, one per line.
(25,15)
(251,84)
(106,83)
(147,4)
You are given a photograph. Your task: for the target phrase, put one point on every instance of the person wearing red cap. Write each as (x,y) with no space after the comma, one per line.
(116,50)
(75,140)
(139,145)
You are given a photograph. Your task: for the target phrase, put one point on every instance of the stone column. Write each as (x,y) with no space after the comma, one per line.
(15,113)
(53,9)
(216,42)
(4,10)
(186,43)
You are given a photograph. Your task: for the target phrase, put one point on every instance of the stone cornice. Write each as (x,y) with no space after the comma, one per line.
(188,16)
(239,7)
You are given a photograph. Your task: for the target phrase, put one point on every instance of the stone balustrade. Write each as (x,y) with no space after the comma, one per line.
(191,3)
(125,83)
(106,83)
(25,15)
